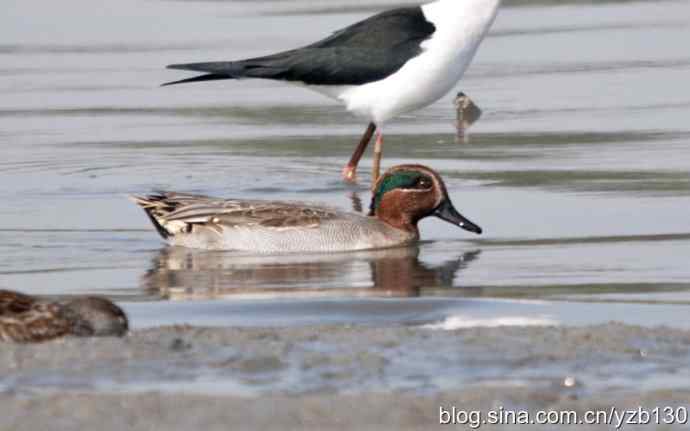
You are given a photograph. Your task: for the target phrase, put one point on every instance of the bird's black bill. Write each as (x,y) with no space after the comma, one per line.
(446,211)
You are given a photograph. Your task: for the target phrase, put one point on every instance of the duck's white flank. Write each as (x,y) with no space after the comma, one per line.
(460,27)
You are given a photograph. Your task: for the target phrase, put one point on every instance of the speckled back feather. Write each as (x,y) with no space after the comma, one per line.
(174,213)
(25,318)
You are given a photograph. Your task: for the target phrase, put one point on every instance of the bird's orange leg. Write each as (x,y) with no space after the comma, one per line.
(376,164)
(350,170)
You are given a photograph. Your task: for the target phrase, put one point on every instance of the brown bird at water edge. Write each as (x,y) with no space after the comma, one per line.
(29,319)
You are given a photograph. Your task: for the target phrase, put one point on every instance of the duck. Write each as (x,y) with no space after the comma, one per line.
(30,319)
(403,195)
(392,63)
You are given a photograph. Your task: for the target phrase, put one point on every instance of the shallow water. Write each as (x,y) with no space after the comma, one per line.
(578,170)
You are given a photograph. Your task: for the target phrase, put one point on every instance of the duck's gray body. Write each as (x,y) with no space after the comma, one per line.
(265,226)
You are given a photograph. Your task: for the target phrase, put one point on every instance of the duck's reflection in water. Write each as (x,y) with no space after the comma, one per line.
(180,273)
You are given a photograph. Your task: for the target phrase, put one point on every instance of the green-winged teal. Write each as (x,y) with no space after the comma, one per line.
(402,196)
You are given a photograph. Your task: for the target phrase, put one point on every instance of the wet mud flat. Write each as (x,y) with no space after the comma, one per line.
(336,377)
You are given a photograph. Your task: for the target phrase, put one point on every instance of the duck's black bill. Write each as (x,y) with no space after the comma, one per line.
(446,211)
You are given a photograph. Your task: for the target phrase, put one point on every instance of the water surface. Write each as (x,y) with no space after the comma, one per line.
(578,170)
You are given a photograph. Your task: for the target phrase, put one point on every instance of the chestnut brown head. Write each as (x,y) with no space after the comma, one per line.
(406,194)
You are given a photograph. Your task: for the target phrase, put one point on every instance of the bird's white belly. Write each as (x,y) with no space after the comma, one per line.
(418,84)
(429,76)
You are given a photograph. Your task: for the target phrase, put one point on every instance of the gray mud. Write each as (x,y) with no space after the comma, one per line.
(325,377)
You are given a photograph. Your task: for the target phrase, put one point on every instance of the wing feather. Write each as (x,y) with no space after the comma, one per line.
(367,51)
(180,213)
(25,319)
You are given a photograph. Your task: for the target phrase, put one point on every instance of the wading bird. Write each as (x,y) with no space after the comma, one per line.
(394,62)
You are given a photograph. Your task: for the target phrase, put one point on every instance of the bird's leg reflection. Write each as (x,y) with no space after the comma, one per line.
(356,201)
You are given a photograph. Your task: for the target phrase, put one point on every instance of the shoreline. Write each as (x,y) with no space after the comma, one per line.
(371,411)
(336,377)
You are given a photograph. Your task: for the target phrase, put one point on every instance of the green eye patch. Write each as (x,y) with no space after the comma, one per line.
(398,180)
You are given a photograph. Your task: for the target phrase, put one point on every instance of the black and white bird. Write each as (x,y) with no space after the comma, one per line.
(392,63)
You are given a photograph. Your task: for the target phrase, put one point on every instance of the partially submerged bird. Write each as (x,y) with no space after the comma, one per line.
(403,196)
(392,63)
(25,318)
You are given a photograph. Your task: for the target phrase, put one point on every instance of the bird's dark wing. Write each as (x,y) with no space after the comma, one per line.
(388,30)
(367,51)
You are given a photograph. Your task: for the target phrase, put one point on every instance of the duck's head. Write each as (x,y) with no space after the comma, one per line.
(95,317)
(405,194)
